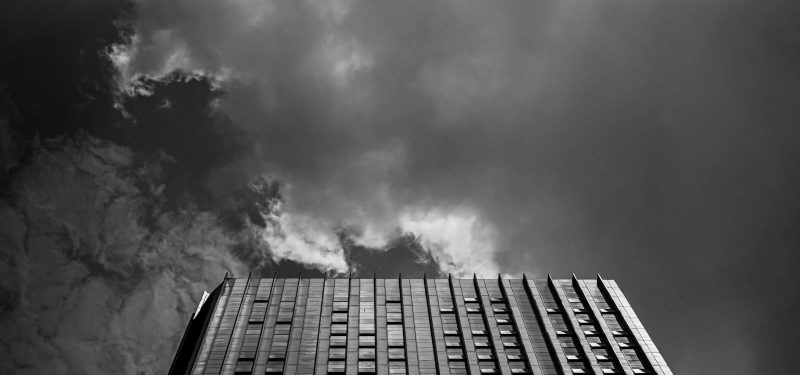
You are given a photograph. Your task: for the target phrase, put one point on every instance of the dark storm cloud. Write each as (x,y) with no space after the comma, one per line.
(655,143)
(54,61)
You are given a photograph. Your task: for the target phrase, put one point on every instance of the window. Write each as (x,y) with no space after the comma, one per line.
(452,343)
(481,344)
(624,342)
(397,354)
(595,342)
(518,370)
(553,310)
(366,341)
(478,332)
(282,329)
(609,371)
(338,329)
(573,357)
(336,367)
(446,310)
(502,321)
(487,370)
(394,317)
(340,306)
(496,299)
(506,333)
(366,353)
(451,332)
(514,357)
(339,318)
(274,367)
(244,367)
(337,353)
(366,367)
(455,357)
(484,357)
(338,341)
(470,299)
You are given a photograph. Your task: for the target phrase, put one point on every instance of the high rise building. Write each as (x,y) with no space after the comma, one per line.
(416,326)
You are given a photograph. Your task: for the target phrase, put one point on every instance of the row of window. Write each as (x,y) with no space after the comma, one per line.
(497,310)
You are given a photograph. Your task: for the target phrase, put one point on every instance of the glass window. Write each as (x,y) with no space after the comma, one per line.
(366,353)
(366,341)
(340,306)
(337,353)
(397,353)
(366,367)
(336,367)
(338,329)
(338,341)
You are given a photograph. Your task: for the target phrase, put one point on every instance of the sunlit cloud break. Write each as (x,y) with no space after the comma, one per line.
(459,240)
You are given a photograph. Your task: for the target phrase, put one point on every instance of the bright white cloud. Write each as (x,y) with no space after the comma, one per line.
(305,240)
(458,239)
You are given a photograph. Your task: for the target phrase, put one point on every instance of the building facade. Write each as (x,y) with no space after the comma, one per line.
(416,326)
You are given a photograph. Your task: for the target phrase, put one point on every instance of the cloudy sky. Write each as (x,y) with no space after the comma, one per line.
(148,147)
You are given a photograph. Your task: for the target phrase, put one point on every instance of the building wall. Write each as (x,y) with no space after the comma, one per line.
(422,326)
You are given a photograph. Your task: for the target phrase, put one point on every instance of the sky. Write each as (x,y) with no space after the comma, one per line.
(150,147)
